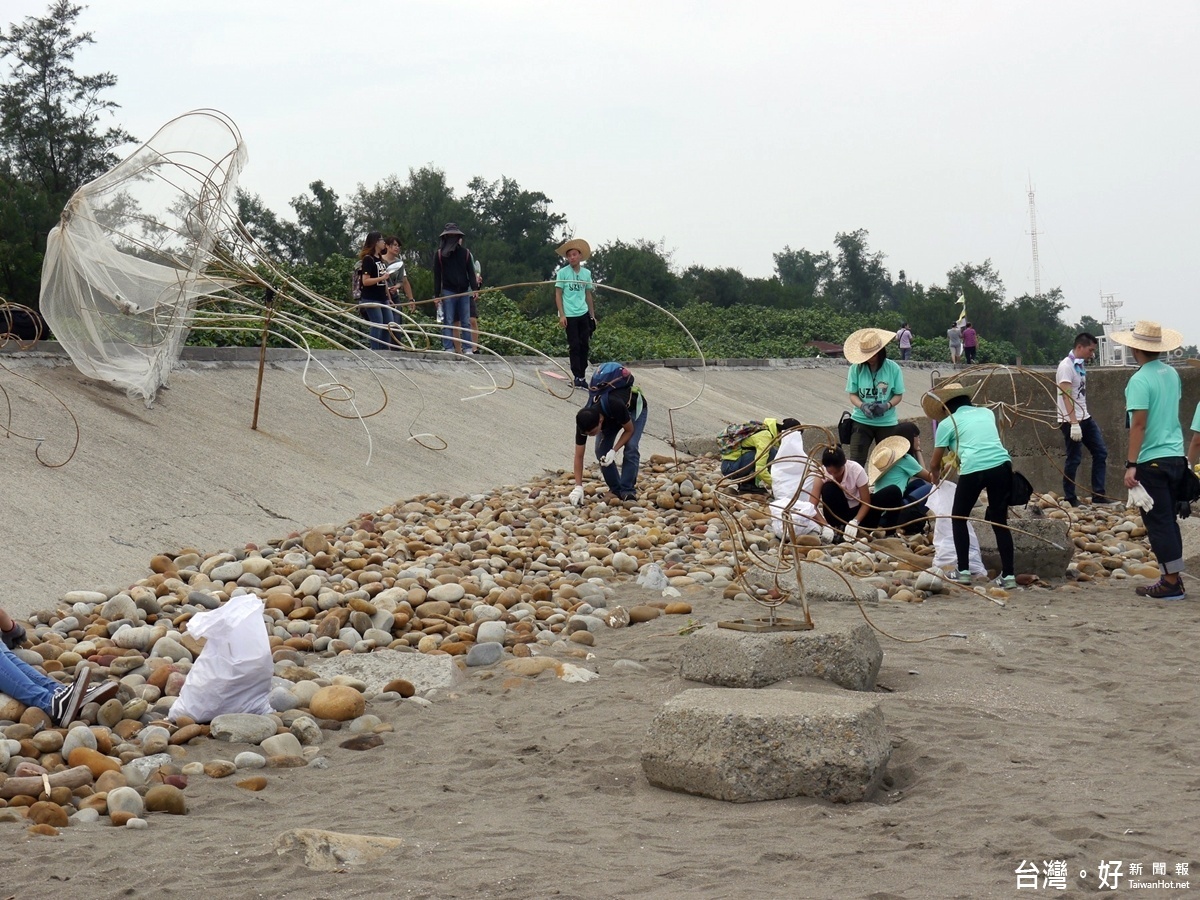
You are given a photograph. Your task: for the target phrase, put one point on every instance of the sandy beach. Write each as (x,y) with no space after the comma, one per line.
(1062,728)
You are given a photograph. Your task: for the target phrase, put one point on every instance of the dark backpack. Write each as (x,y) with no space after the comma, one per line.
(356,281)
(729,439)
(608,377)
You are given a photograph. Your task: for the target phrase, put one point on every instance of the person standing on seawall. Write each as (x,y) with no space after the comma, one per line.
(374,304)
(904,341)
(1078,427)
(970,339)
(576,301)
(875,385)
(454,281)
(1155,459)
(954,336)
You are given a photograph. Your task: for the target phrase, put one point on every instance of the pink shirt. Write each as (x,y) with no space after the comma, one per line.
(853,477)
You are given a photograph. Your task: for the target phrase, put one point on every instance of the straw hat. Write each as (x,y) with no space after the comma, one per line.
(576,244)
(865,343)
(885,455)
(934,402)
(451,229)
(1149,336)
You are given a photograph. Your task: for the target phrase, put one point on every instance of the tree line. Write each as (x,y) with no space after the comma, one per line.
(55,135)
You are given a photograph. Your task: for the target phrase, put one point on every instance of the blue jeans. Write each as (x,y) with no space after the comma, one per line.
(1160,477)
(905,352)
(456,315)
(23,682)
(623,482)
(743,467)
(1094,441)
(380,317)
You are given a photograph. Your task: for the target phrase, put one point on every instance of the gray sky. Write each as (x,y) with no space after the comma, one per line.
(728,130)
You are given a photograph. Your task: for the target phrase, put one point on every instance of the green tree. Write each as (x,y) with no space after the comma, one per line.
(51,139)
(861,282)
(513,232)
(415,210)
(641,268)
(806,273)
(718,287)
(322,225)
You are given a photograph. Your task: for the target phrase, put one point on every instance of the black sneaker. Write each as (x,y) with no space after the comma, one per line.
(580,383)
(1162,590)
(68,700)
(101,693)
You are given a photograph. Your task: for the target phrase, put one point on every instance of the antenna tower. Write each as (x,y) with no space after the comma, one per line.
(1110,304)
(1033,235)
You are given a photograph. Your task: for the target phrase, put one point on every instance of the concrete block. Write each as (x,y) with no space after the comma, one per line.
(745,745)
(848,656)
(821,583)
(1041,546)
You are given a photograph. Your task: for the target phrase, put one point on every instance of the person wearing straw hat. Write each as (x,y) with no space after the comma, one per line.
(889,471)
(1155,460)
(984,464)
(1079,429)
(875,385)
(575,298)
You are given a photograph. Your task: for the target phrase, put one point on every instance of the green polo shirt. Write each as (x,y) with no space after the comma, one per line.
(1156,388)
(574,286)
(971,432)
(900,474)
(877,387)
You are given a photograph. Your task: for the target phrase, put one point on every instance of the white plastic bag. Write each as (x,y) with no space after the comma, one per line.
(233,672)
(940,502)
(790,466)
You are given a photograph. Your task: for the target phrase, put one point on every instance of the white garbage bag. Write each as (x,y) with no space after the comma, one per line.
(792,475)
(940,502)
(233,672)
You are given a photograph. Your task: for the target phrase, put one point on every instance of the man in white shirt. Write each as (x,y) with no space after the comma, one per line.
(1078,428)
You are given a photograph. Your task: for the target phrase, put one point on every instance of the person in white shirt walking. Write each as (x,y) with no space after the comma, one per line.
(1079,429)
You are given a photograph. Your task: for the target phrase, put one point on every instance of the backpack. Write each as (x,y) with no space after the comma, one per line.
(356,281)
(729,439)
(608,377)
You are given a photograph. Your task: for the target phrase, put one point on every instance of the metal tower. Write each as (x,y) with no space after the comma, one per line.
(1033,234)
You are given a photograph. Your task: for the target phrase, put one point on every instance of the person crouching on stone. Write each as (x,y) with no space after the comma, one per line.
(749,462)
(875,385)
(890,472)
(971,432)
(845,494)
(617,421)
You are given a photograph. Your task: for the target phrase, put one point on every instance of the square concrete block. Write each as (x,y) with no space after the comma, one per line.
(847,655)
(1041,546)
(744,745)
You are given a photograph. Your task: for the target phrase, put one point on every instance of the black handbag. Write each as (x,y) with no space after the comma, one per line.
(1021,490)
(1187,491)
(845,428)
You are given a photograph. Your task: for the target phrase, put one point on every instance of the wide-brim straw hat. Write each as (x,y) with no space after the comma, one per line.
(933,404)
(1149,336)
(865,343)
(576,244)
(885,455)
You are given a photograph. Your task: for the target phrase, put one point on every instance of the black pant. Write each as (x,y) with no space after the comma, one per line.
(896,511)
(837,511)
(1160,478)
(579,334)
(998,483)
(969,355)
(863,436)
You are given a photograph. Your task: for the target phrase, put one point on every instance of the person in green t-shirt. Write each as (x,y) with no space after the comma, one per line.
(875,385)
(574,296)
(891,469)
(971,432)
(1155,459)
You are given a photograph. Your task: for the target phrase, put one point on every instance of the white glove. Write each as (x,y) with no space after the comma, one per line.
(1139,497)
(608,458)
(850,531)
(576,496)
(1076,432)
(826,534)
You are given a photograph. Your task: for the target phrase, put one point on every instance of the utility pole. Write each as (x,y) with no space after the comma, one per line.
(1033,235)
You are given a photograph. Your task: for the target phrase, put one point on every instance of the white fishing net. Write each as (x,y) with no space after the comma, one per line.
(133,252)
